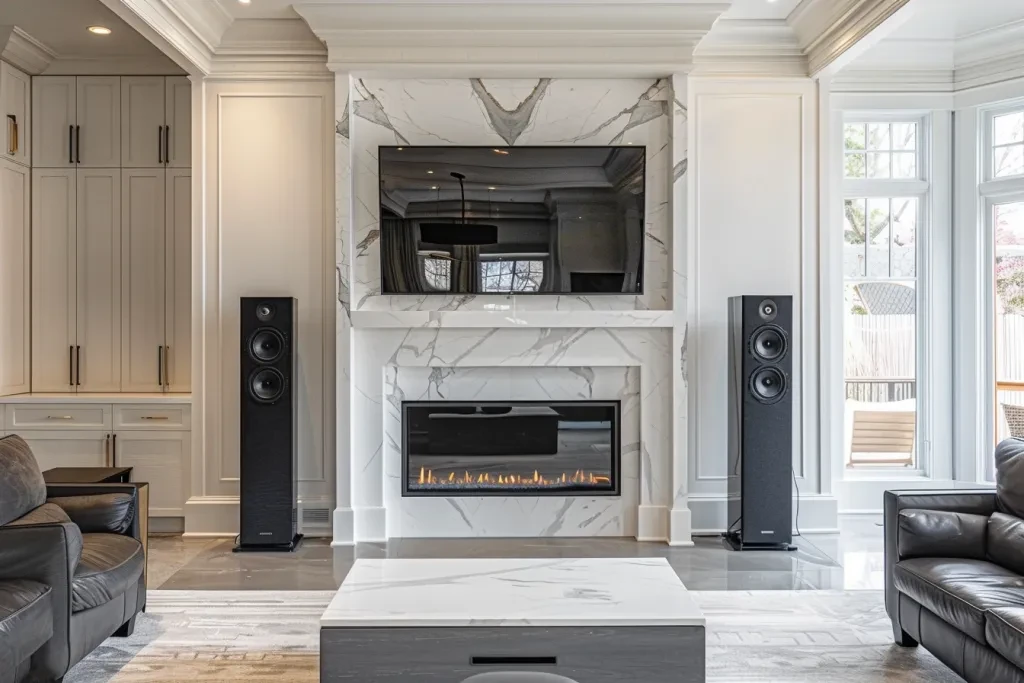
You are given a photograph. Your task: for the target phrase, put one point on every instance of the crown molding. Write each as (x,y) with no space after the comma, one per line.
(122,65)
(208,20)
(499,38)
(23,51)
(168,31)
(270,49)
(891,80)
(827,29)
(752,47)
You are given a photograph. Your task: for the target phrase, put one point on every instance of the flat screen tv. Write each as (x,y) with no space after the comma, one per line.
(512,220)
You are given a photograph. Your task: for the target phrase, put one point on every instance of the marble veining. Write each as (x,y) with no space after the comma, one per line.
(512,592)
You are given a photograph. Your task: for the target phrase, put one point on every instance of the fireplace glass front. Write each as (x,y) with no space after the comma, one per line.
(524,448)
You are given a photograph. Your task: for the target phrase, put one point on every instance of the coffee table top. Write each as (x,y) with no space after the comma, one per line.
(512,592)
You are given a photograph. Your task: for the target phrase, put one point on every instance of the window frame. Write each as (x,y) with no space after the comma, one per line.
(921,189)
(988,146)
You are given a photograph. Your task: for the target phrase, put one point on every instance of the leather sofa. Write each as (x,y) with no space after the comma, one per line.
(79,541)
(954,572)
(25,625)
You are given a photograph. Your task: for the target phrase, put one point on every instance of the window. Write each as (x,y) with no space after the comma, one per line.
(880,150)
(882,210)
(1008,144)
(511,276)
(438,272)
(1008,271)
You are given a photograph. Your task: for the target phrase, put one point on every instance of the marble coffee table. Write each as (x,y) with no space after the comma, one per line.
(444,620)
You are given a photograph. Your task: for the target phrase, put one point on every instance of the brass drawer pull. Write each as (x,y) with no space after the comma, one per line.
(155,417)
(59,417)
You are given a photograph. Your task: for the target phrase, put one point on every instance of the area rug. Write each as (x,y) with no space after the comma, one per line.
(272,636)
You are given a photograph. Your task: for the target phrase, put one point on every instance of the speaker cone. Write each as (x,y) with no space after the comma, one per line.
(266,345)
(767,310)
(265,311)
(768,343)
(266,385)
(768,384)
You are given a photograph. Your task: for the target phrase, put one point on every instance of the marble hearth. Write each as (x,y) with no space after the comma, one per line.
(628,348)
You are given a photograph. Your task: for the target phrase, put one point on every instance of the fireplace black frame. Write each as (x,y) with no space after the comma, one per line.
(616,455)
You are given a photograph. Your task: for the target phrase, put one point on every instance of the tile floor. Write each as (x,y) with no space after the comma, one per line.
(851,559)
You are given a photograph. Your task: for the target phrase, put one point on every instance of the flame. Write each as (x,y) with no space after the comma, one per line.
(427,477)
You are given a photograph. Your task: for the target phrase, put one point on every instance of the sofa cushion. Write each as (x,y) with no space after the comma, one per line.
(1004,630)
(110,564)
(48,513)
(1010,477)
(99,513)
(21,483)
(940,533)
(1006,541)
(26,620)
(960,591)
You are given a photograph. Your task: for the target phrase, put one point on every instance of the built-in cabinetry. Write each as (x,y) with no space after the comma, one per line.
(111,262)
(15,108)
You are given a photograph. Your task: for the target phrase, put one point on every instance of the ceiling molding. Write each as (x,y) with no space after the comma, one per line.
(891,80)
(23,51)
(755,47)
(164,27)
(827,29)
(70,65)
(208,20)
(501,39)
(270,49)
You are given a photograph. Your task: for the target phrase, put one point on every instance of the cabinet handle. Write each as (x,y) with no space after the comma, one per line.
(71,366)
(167,365)
(71,144)
(78,366)
(159,144)
(167,144)
(154,417)
(113,461)
(106,449)
(159,366)
(78,144)
(12,134)
(59,417)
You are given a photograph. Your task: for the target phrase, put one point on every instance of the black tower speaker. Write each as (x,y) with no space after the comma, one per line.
(268,423)
(760,423)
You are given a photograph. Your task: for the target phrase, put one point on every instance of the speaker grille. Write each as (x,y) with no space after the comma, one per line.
(266,385)
(266,345)
(768,343)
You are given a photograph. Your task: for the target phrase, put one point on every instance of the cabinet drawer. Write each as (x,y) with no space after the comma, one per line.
(57,416)
(176,417)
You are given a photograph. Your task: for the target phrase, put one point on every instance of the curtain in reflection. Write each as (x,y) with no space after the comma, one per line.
(466,269)
(401,266)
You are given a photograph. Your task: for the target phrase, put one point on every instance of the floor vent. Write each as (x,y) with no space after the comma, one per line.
(316,516)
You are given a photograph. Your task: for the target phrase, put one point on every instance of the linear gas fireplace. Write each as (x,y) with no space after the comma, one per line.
(510,448)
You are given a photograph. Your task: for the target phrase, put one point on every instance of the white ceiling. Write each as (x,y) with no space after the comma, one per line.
(260,9)
(760,9)
(61,26)
(955,19)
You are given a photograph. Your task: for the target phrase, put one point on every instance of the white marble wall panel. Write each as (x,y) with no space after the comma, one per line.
(507,112)
(446,353)
(483,516)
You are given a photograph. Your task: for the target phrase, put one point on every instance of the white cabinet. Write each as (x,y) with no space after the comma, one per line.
(76,284)
(76,121)
(69,448)
(156,457)
(15,281)
(177,354)
(156,122)
(14,108)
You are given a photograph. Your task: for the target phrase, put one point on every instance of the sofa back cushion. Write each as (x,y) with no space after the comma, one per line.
(1010,477)
(21,483)
(940,533)
(1006,541)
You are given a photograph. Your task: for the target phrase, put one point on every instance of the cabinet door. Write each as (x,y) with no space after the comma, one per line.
(69,449)
(98,129)
(15,284)
(14,101)
(178,120)
(142,279)
(157,458)
(54,276)
(99,280)
(142,120)
(178,254)
(53,121)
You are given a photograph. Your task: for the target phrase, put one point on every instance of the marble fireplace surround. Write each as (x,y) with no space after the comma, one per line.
(498,347)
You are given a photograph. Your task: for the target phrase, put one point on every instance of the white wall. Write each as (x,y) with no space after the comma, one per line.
(754,217)
(266,228)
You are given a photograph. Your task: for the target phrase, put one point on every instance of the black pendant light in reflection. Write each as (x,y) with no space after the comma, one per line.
(461,233)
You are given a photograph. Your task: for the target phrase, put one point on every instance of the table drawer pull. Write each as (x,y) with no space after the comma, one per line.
(511,660)
(59,417)
(155,417)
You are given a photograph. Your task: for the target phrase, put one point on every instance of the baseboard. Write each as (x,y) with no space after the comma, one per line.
(818,514)
(211,516)
(166,525)
(652,523)
(344,528)
(370,525)
(679,528)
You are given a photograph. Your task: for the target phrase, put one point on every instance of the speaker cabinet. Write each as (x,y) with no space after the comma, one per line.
(268,423)
(760,423)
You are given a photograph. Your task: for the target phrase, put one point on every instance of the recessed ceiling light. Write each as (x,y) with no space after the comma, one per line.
(433,187)
(500,151)
(430,173)
(99,30)
(400,148)
(244,2)
(492,188)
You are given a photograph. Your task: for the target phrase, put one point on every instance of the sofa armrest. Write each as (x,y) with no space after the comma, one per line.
(45,553)
(969,502)
(99,507)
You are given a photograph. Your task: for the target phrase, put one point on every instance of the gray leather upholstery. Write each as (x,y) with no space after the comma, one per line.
(95,580)
(104,513)
(954,568)
(23,485)
(932,533)
(110,564)
(25,625)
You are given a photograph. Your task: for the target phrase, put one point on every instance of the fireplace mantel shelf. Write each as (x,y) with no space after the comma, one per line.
(511,318)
